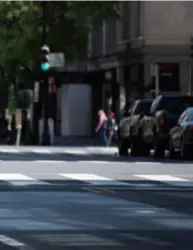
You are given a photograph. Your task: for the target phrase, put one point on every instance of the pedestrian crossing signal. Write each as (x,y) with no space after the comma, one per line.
(45,66)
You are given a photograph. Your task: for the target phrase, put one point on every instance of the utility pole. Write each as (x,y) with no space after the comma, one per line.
(44,33)
(191,67)
(156,80)
(44,137)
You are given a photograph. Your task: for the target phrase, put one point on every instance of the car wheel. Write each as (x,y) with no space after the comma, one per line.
(123,147)
(134,148)
(185,151)
(144,148)
(159,150)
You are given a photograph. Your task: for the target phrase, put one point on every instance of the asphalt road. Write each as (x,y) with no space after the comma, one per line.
(78,198)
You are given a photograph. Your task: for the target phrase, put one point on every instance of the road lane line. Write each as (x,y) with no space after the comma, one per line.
(21,180)
(168,179)
(94,179)
(11,242)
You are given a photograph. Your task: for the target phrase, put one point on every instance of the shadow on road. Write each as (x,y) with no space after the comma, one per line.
(72,157)
(111,239)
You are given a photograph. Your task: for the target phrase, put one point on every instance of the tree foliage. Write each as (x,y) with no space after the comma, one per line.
(66,24)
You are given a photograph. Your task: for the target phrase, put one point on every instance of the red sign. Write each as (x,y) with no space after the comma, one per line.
(165,68)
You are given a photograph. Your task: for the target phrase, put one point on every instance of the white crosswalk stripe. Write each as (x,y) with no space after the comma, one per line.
(168,179)
(17,179)
(94,179)
(23,180)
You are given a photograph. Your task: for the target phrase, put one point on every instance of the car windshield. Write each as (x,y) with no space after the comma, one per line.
(143,107)
(190,115)
(176,105)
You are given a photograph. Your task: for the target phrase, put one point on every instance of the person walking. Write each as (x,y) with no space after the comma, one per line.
(113,128)
(101,129)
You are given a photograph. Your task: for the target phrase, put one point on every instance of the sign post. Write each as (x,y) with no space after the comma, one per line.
(156,80)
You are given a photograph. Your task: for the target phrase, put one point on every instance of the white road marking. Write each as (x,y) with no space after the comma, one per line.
(10,241)
(146,162)
(21,180)
(168,179)
(52,162)
(9,150)
(145,212)
(94,179)
(75,151)
(93,162)
(41,151)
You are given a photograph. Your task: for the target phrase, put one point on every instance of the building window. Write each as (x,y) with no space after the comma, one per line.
(138,18)
(169,77)
(125,20)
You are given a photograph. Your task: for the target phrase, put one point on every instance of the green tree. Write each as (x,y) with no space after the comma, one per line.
(66,23)
(26,25)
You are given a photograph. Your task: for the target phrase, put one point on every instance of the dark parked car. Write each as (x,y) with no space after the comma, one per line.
(164,114)
(181,136)
(130,122)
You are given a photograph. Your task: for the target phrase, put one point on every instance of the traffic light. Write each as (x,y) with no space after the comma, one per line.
(44,60)
(45,66)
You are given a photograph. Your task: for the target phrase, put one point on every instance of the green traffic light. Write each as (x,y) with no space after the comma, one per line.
(45,66)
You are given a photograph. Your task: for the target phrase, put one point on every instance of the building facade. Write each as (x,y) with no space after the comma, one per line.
(148,33)
(121,54)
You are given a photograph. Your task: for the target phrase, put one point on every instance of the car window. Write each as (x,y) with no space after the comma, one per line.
(134,107)
(190,115)
(183,117)
(154,104)
(142,107)
(176,105)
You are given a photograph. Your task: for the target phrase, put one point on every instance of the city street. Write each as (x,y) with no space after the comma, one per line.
(83,197)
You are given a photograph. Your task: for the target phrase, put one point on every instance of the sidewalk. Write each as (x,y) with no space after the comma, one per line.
(75,141)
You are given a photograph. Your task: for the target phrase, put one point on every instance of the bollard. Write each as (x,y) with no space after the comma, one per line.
(51,130)
(40,130)
(18,123)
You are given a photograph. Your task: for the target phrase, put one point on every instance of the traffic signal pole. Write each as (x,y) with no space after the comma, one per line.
(46,123)
(191,67)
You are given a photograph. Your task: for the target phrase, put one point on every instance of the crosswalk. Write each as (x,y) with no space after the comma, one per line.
(93,180)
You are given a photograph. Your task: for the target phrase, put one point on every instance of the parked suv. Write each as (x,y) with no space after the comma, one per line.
(164,114)
(131,120)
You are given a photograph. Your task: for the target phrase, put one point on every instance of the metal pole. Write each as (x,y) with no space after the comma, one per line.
(44,33)
(190,79)
(156,80)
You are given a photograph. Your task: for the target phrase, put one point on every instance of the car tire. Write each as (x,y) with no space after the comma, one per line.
(123,147)
(185,151)
(135,148)
(159,151)
(144,148)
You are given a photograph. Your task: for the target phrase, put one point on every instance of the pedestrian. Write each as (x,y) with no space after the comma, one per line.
(112,128)
(101,129)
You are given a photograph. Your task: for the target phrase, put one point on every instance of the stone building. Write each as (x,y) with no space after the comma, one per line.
(149,32)
(121,54)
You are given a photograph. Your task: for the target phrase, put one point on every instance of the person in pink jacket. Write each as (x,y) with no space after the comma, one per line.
(101,129)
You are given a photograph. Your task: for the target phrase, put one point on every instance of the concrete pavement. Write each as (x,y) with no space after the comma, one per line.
(57,199)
